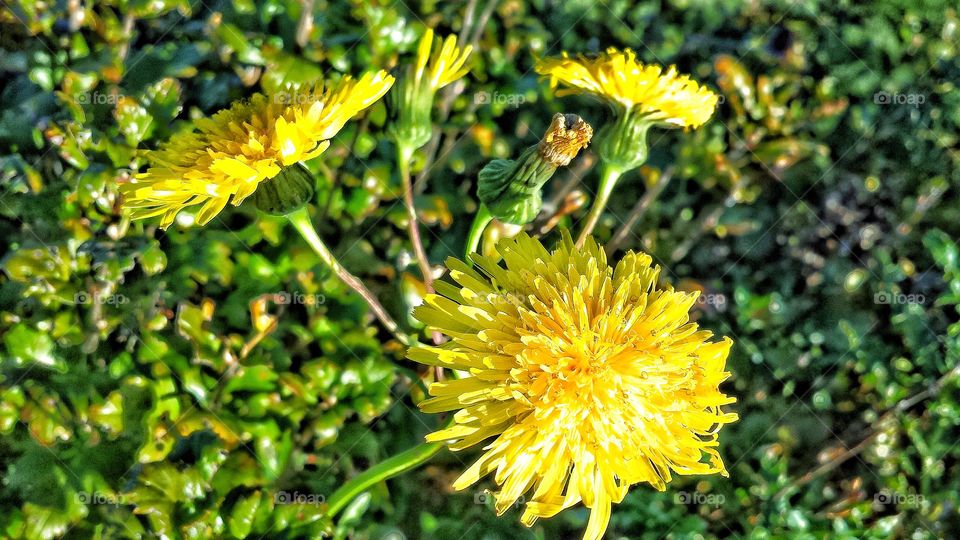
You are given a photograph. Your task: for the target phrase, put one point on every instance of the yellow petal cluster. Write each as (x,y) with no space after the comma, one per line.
(588,378)
(229,154)
(445,65)
(618,77)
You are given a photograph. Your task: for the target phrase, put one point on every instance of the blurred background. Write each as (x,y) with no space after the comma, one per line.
(220,382)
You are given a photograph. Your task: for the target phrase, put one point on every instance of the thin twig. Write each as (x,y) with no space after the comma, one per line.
(467,20)
(707,219)
(404,154)
(452,139)
(639,209)
(574,175)
(128,24)
(450,93)
(305,25)
(888,416)
(482,22)
(301,221)
(573,202)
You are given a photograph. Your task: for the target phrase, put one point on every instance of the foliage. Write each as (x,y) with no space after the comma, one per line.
(221,384)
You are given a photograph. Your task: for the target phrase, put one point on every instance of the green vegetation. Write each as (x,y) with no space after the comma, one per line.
(224,383)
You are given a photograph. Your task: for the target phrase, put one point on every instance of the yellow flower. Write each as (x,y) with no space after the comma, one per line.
(411,101)
(230,154)
(590,378)
(618,77)
(445,66)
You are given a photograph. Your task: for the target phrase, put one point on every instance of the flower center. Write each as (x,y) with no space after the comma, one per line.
(575,375)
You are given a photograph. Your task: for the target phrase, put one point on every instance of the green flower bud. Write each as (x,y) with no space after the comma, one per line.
(511,189)
(285,192)
(410,107)
(439,62)
(623,143)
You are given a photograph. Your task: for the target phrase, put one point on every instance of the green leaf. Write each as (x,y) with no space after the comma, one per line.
(240,522)
(236,40)
(252,379)
(28,346)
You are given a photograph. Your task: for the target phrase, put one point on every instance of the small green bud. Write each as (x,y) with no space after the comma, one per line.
(511,189)
(410,106)
(623,143)
(285,192)
(439,62)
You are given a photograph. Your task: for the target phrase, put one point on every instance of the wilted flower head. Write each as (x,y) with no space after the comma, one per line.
(510,189)
(617,77)
(228,156)
(412,99)
(565,137)
(588,378)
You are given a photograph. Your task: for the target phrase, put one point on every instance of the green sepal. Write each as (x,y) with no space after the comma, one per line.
(623,143)
(285,192)
(511,189)
(410,109)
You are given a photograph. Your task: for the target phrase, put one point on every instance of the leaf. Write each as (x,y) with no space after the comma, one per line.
(244,512)
(134,121)
(252,379)
(236,40)
(28,346)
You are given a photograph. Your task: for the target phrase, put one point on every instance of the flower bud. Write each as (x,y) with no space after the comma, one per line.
(511,189)
(410,107)
(439,63)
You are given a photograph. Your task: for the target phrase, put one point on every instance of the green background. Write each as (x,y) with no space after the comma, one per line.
(817,212)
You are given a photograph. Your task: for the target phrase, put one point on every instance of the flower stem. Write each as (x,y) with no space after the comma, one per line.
(404,155)
(301,221)
(388,468)
(608,179)
(480,222)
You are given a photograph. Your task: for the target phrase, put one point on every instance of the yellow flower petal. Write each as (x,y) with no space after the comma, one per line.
(232,152)
(446,65)
(618,77)
(423,52)
(589,380)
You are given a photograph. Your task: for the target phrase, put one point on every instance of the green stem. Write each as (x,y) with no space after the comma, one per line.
(388,468)
(480,222)
(608,179)
(301,221)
